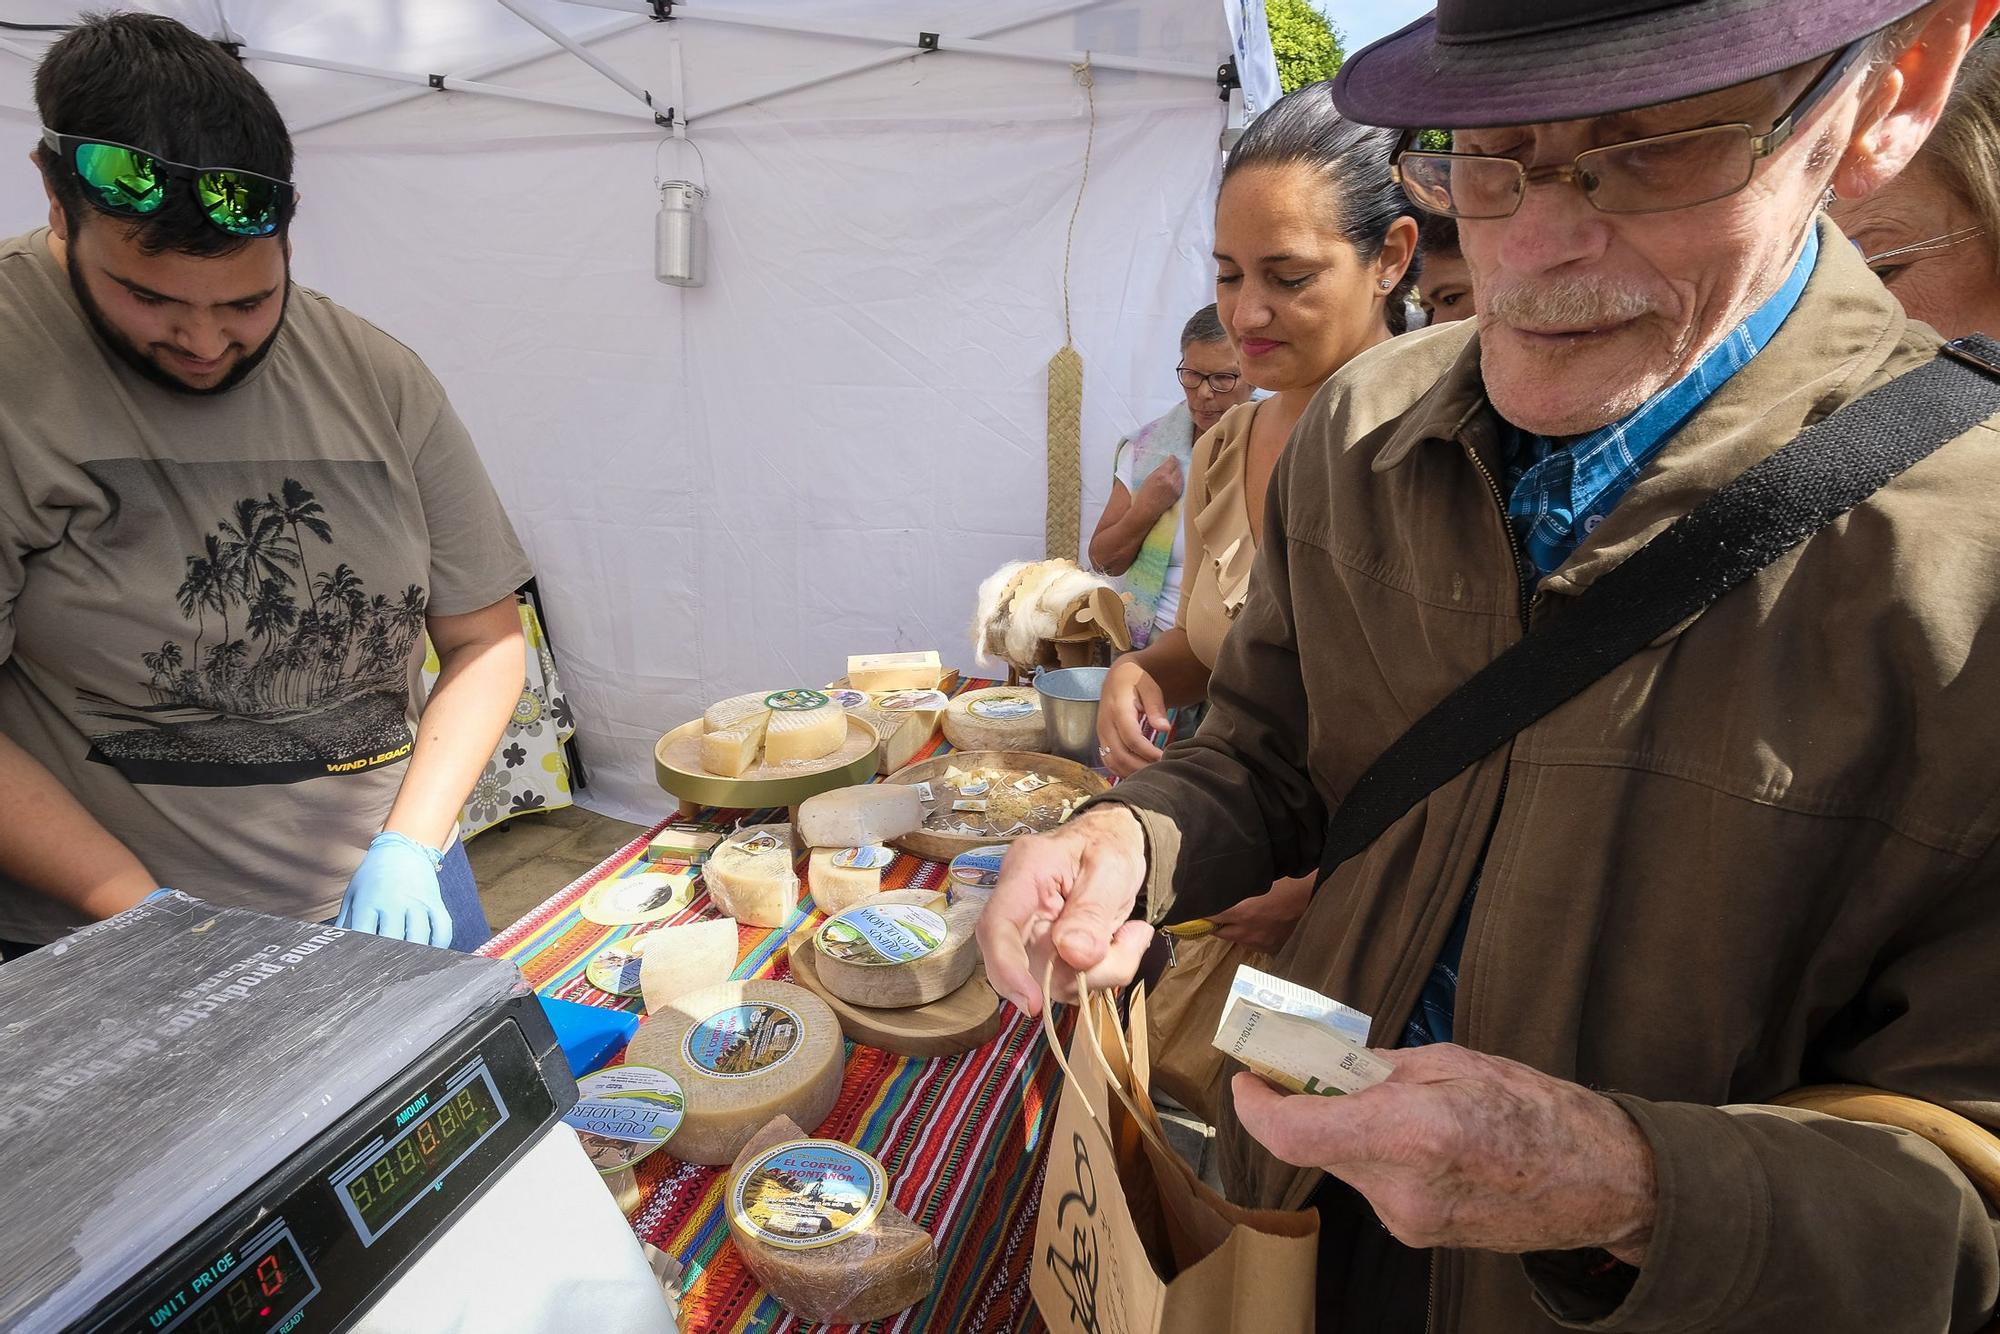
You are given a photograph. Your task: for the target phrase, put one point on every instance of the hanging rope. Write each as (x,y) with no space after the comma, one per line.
(1061,525)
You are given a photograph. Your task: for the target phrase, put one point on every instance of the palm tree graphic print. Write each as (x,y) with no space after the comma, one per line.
(294,669)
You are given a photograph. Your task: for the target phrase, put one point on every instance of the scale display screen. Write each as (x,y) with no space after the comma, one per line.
(437,1131)
(258,1290)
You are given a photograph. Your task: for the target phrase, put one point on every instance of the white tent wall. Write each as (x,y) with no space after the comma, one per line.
(825,449)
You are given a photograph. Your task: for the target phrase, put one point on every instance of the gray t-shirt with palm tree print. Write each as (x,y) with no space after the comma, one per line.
(212,608)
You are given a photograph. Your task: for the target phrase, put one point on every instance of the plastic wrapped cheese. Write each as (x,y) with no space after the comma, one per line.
(751,875)
(901,948)
(743,1052)
(839,878)
(853,817)
(813,1221)
(675,960)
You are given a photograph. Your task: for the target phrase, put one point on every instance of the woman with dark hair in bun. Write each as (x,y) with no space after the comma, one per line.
(1315,255)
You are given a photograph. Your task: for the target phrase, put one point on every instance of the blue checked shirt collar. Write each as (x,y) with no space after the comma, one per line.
(1557,496)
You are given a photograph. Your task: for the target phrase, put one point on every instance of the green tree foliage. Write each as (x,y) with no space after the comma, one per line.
(1307,46)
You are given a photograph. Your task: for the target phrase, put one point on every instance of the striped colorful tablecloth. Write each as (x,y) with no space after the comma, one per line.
(960,1136)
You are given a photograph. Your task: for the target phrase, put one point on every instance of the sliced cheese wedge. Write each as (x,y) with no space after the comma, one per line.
(675,960)
(854,817)
(814,1223)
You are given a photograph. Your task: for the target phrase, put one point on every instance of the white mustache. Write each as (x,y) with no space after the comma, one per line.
(1569,303)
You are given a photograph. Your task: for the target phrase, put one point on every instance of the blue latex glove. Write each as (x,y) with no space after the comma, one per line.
(395,893)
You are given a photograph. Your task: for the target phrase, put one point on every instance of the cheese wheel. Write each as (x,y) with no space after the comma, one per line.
(901,948)
(805,725)
(675,960)
(813,1221)
(743,1052)
(1002,718)
(840,878)
(750,875)
(895,671)
(781,727)
(854,817)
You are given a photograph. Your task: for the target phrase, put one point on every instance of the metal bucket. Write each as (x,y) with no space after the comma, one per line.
(1069,712)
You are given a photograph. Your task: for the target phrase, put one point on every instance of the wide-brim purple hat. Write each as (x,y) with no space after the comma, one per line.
(1475,63)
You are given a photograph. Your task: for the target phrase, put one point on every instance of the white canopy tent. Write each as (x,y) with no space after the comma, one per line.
(827,447)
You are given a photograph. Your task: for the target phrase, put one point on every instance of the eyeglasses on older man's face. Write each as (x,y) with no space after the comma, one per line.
(1656,174)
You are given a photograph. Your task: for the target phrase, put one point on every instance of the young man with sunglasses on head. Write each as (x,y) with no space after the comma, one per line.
(230,511)
(1694,488)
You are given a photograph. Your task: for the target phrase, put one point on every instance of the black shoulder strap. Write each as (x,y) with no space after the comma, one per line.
(1826,470)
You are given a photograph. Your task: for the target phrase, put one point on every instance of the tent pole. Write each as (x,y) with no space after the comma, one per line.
(444,82)
(577,49)
(971,45)
(478,72)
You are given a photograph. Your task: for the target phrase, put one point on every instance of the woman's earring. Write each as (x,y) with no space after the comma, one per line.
(1385,284)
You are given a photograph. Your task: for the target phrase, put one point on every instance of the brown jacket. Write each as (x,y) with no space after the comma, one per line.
(1760,854)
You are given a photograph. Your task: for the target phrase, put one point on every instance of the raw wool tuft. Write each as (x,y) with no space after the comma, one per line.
(1022,607)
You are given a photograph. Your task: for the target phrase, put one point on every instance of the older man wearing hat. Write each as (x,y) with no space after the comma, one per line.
(1628,660)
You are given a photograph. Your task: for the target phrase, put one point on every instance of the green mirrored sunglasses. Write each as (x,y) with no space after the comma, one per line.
(132,183)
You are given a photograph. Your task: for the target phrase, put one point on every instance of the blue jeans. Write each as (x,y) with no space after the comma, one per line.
(469,928)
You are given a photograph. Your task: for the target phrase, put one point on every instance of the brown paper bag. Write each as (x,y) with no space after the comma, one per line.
(1129,1241)
(1183,1009)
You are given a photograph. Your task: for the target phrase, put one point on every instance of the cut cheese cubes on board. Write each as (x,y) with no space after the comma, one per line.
(813,1221)
(782,727)
(744,1052)
(899,949)
(751,875)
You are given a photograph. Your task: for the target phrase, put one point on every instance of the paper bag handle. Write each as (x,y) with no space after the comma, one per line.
(1111,1079)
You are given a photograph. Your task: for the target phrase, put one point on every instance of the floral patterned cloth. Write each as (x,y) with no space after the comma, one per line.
(529,771)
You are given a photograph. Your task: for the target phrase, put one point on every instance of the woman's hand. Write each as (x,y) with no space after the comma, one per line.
(1265,923)
(1130,709)
(1161,489)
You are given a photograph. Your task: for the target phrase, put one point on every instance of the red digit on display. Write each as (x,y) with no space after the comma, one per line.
(270,1276)
(427,1138)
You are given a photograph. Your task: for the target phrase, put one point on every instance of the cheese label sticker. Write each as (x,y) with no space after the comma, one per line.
(976,807)
(615,1080)
(796,701)
(872,858)
(808,1193)
(761,841)
(975,787)
(848,699)
(879,935)
(649,896)
(1004,709)
(911,701)
(926,794)
(979,868)
(743,1040)
(614,969)
(620,1125)
(1031,783)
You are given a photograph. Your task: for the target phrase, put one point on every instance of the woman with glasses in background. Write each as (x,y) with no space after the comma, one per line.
(1931,234)
(1139,535)
(1315,251)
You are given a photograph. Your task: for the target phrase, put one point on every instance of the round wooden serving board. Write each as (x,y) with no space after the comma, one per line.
(677,767)
(961,1021)
(1011,764)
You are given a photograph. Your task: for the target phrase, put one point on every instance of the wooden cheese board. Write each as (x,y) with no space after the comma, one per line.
(677,768)
(1069,784)
(959,1022)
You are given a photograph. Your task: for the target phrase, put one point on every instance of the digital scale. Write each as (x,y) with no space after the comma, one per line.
(218,1122)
